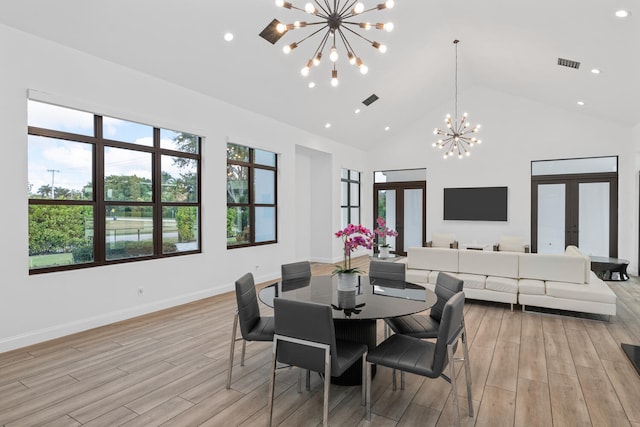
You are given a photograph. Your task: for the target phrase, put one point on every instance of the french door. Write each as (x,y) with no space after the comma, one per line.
(580,210)
(403,206)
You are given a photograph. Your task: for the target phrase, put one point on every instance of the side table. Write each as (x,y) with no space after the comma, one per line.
(610,269)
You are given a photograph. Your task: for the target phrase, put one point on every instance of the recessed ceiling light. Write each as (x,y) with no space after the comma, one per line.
(311,85)
(387,128)
(595,71)
(357,111)
(622,13)
(580,103)
(228,37)
(327,126)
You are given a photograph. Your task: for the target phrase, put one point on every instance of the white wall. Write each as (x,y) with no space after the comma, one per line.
(514,132)
(39,307)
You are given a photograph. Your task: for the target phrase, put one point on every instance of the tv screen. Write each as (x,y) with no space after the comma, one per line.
(475,204)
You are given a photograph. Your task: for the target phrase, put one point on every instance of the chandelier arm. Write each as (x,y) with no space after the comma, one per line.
(356,33)
(326,10)
(456,80)
(348,7)
(311,35)
(323,42)
(346,42)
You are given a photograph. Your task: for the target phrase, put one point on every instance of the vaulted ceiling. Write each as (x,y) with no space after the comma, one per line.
(508,46)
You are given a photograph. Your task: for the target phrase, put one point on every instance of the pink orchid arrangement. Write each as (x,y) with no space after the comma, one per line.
(353,236)
(382,231)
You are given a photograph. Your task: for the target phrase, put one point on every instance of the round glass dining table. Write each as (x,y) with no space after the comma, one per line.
(356,306)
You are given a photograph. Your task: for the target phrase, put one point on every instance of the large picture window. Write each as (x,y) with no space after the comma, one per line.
(104,190)
(350,190)
(251,196)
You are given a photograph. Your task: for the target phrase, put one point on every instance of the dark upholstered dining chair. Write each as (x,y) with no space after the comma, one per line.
(296,270)
(387,270)
(427,326)
(253,327)
(305,337)
(426,358)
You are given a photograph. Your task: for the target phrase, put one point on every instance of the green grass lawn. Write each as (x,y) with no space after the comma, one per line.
(50,260)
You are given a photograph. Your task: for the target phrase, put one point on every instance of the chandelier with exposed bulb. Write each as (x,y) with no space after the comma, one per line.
(335,23)
(456,138)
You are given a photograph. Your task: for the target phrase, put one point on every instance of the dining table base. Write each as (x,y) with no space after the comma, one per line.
(360,331)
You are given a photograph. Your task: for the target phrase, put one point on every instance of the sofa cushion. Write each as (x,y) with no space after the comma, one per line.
(531,287)
(439,259)
(597,291)
(417,276)
(502,284)
(488,263)
(472,281)
(552,267)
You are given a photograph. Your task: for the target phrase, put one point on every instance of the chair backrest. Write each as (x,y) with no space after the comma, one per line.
(450,325)
(296,270)
(307,321)
(446,287)
(248,310)
(387,270)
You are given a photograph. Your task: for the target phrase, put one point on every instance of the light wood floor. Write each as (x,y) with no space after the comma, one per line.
(169,368)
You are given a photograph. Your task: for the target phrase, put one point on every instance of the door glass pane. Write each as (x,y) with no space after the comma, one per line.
(593,218)
(345,193)
(238,231)
(355,194)
(265,224)
(355,216)
(345,217)
(570,166)
(412,218)
(237,184)
(551,218)
(387,210)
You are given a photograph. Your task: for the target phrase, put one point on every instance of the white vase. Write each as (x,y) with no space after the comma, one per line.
(384,252)
(347,281)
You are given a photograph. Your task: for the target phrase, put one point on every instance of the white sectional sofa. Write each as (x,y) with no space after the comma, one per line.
(562,281)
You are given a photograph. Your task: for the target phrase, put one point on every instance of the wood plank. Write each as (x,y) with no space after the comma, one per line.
(626,382)
(497,408)
(582,349)
(568,406)
(604,406)
(533,405)
(504,367)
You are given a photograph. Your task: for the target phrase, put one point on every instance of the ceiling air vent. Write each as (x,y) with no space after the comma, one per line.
(568,63)
(270,34)
(370,100)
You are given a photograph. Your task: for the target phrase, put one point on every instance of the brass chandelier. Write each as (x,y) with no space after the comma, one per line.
(335,24)
(455,137)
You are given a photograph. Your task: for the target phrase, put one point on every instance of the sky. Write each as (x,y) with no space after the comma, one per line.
(68,164)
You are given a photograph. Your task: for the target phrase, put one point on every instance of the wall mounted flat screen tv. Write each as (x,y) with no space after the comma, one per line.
(475,204)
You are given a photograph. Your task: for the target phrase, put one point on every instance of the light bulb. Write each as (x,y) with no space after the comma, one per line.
(281,28)
(279,3)
(310,8)
(389,4)
(388,27)
(358,8)
(434,144)
(316,60)
(364,69)
(228,37)
(333,55)
(290,47)
(479,142)
(352,58)
(459,155)
(305,71)
(435,131)
(311,85)
(445,156)
(383,48)
(467,154)
(334,78)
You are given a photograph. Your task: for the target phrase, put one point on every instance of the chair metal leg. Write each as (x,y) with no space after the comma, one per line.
(393,380)
(244,346)
(387,331)
(368,391)
(232,349)
(308,380)
(364,378)
(402,380)
(467,376)
(300,380)
(327,382)
(454,387)
(272,382)
(465,351)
